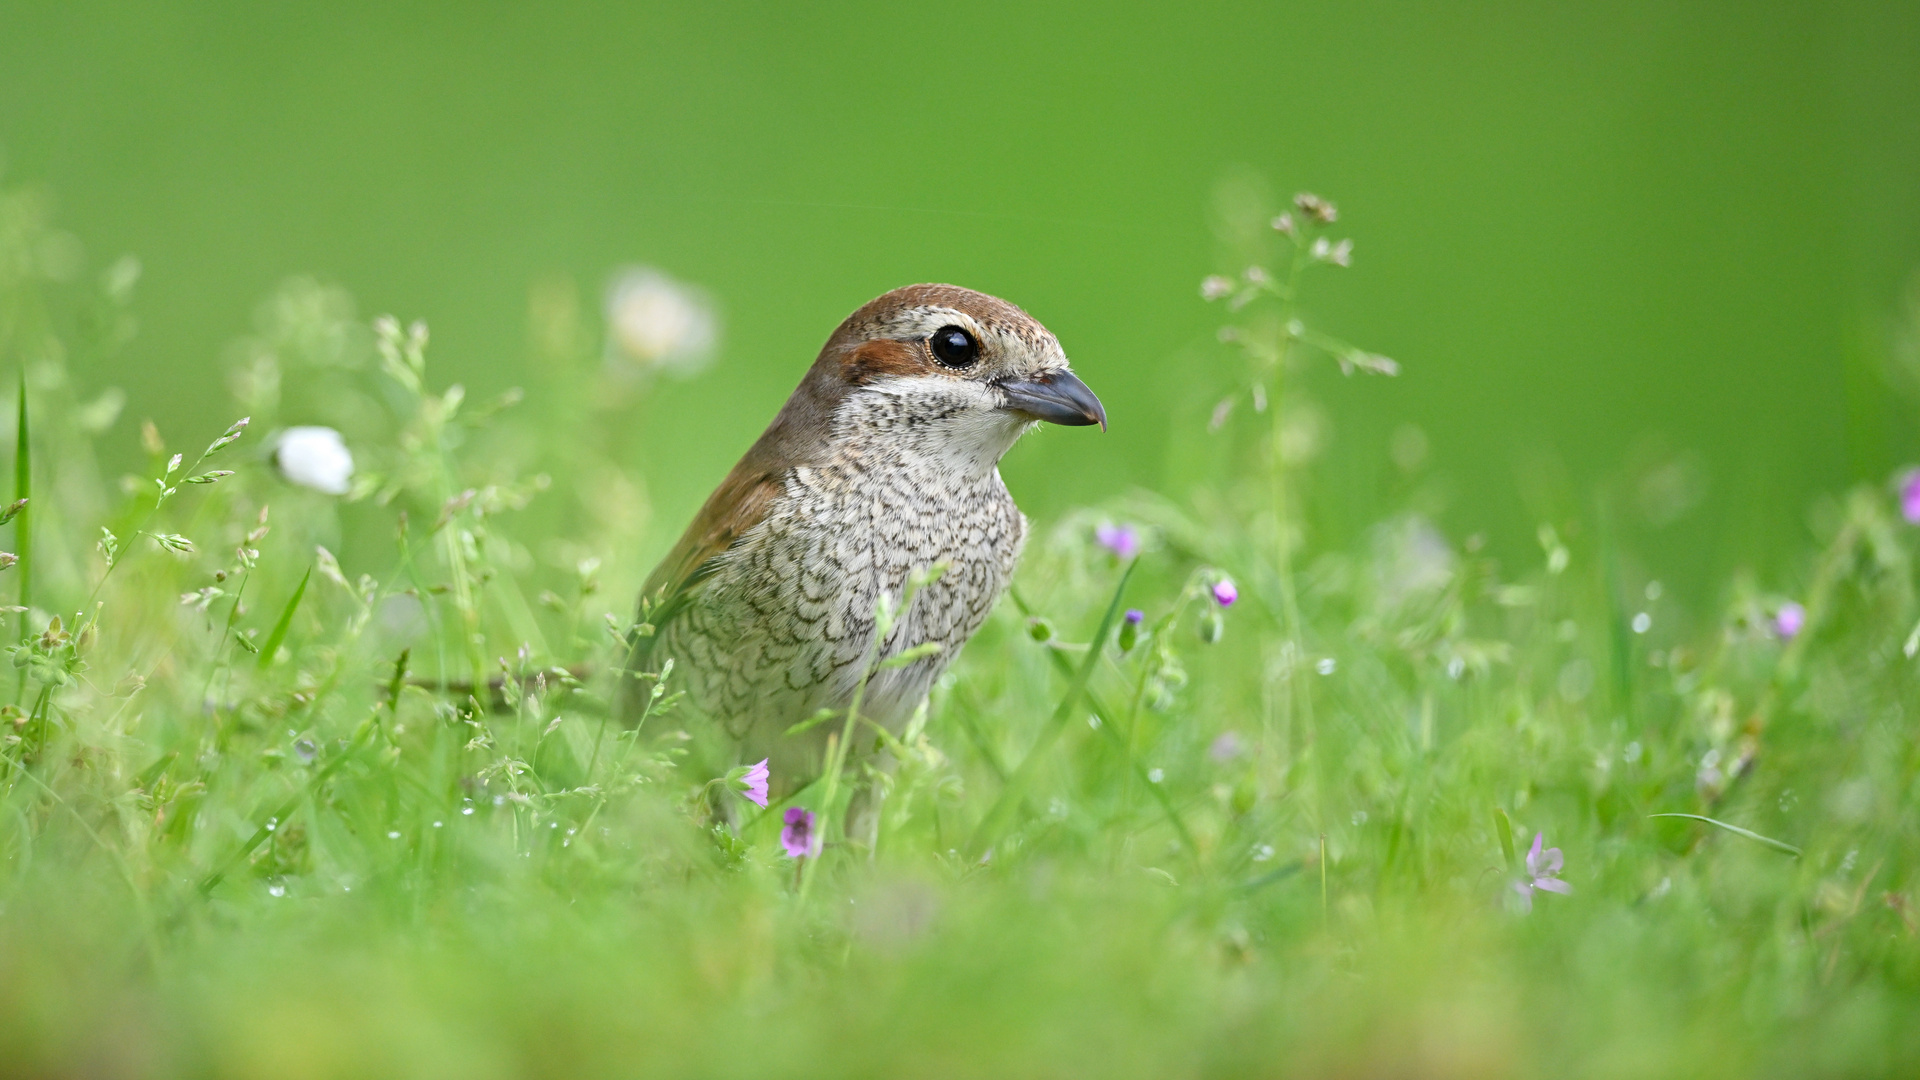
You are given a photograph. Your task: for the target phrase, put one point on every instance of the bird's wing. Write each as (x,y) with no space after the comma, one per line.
(737,505)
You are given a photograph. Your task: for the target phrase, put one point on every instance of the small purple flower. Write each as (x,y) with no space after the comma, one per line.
(1122,540)
(1224,592)
(1543,873)
(752,783)
(1789,620)
(1225,748)
(800,838)
(1134,616)
(1910,495)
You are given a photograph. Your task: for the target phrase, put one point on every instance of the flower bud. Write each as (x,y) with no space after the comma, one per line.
(1211,627)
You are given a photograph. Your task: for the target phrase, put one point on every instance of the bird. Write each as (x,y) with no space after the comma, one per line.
(883,464)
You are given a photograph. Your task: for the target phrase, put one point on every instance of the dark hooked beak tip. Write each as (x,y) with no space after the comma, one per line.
(1058,397)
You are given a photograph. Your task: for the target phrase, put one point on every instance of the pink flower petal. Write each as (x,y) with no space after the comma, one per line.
(1551,862)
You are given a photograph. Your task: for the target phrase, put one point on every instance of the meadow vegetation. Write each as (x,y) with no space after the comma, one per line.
(305,784)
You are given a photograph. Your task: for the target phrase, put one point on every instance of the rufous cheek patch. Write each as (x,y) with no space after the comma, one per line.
(873,359)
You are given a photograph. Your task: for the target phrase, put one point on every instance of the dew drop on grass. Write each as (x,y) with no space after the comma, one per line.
(395,835)
(1156,775)
(1632,753)
(1642,622)
(1262,852)
(1326,666)
(276,890)
(437,824)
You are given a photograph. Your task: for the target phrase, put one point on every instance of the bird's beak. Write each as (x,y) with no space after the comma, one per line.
(1058,397)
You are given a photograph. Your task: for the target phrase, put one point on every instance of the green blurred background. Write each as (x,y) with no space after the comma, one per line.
(1603,243)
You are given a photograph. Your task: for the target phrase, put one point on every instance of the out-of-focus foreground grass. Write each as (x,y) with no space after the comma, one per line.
(279,800)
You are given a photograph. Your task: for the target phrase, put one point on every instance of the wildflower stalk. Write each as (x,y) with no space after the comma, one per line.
(220,663)
(1277,468)
(1283,553)
(116,553)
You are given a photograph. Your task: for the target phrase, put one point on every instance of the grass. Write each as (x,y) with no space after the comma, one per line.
(307,786)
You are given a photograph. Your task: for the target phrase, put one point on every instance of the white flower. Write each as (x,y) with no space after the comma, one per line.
(314,457)
(654,321)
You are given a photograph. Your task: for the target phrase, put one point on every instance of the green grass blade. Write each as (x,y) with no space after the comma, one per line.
(279,633)
(1109,721)
(1015,791)
(23,490)
(286,809)
(1777,845)
(1503,828)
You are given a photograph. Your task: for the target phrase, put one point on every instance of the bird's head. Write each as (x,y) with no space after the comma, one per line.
(946,365)
(957,343)
(947,372)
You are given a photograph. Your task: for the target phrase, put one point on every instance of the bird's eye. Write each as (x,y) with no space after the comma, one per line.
(954,347)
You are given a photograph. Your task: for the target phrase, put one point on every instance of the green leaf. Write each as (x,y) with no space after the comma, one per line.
(279,633)
(1503,828)
(1777,845)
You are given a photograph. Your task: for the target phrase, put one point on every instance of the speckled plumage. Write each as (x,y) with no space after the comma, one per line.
(884,462)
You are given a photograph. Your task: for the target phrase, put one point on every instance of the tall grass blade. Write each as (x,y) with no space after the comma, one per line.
(1777,845)
(279,633)
(1503,828)
(23,492)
